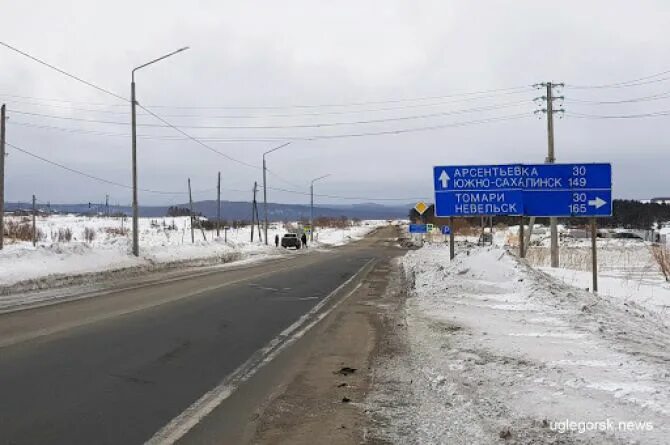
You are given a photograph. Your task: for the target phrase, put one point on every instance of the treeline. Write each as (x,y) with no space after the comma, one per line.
(178,211)
(625,213)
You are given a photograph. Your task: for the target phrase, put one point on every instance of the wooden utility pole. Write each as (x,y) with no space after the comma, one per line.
(2,176)
(107,206)
(551,158)
(190,204)
(218,205)
(34,225)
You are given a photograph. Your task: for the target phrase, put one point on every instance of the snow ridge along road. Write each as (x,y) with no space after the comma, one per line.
(51,270)
(497,351)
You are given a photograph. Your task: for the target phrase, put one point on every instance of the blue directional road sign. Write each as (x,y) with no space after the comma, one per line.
(446,230)
(478,190)
(522,189)
(418,228)
(568,190)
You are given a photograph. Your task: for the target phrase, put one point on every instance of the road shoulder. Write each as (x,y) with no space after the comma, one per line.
(324,401)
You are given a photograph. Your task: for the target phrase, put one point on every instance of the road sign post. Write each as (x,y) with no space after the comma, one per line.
(451,238)
(594,257)
(522,250)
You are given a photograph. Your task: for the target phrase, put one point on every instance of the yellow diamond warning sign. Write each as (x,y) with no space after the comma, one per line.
(421,207)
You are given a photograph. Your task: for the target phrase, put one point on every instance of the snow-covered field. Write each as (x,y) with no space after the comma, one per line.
(499,352)
(627,271)
(163,241)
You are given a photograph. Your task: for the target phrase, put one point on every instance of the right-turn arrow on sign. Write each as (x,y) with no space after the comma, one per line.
(597,203)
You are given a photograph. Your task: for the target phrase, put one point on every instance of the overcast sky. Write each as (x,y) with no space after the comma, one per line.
(301,64)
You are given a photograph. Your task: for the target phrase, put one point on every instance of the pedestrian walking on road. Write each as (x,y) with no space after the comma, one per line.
(276,240)
(304,240)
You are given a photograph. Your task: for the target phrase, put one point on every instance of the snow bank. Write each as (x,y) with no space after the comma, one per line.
(163,241)
(497,350)
(328,236)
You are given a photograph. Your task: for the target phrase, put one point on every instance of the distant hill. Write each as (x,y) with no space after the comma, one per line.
(240,210)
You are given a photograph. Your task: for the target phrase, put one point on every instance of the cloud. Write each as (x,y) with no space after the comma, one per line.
(282,54)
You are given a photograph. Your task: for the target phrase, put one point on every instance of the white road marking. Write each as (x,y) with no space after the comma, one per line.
(184,422)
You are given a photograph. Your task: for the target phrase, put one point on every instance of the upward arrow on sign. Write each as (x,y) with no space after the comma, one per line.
(444,178)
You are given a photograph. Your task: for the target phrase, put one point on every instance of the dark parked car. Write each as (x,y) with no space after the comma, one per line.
(627,235)
(291,240)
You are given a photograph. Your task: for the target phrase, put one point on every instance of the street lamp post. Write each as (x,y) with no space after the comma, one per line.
(311,206)
(265,190)
(136,243)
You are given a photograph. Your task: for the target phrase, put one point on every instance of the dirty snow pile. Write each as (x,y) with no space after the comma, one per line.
(498,352)
(163,241)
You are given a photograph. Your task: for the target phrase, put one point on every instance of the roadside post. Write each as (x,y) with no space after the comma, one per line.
(491,228)
(190,210)
(594,257)
(2,175)
(446,231)
(522,250)
(545,190)
(451,238)
(34,226)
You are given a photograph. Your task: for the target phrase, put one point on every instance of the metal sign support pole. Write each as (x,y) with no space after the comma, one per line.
(594,257)
(522,250)
(451,238)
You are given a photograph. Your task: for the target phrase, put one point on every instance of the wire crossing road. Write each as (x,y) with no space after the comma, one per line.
(121,367)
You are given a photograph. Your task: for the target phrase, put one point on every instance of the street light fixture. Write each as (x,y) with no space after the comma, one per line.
(136,243)
(311,211)
(265,189)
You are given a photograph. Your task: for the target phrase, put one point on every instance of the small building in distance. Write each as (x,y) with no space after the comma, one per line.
(660,200)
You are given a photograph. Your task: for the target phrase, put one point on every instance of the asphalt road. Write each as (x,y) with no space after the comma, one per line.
(117,368)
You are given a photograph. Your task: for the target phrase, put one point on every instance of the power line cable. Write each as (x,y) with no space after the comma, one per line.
(92,85)
(93,177)
(619,116)
(647,80)
(483,93)
(72,76)
(126,135)
(266,116)
(163,192)
(653,97)
(357,198)
(276,127)
(278,138)
(293,184)
(198,141)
